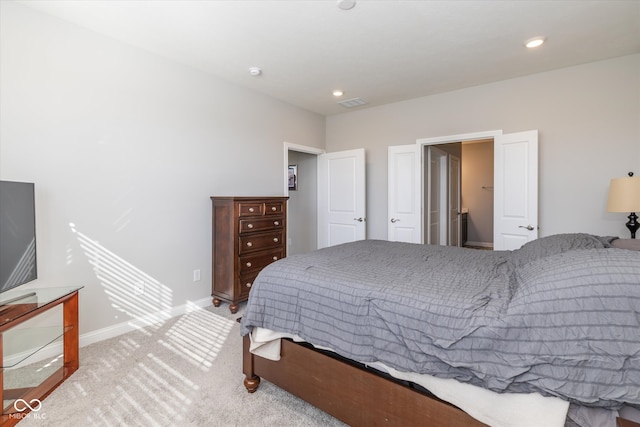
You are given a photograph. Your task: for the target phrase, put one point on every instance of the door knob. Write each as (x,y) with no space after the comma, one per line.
(528,227)
(394,220)
(358,219)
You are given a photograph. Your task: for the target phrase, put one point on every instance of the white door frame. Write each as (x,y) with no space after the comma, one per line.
(453,220)
(300,148)
(450,139)
(459,138)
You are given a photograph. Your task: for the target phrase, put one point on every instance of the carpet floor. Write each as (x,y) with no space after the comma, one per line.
(186,371)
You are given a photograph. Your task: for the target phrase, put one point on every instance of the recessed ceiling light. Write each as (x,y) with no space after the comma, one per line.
(535,42)
(337,93)
(255,71)
(346,4)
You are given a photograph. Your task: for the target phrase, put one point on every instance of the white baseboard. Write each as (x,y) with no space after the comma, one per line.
(54,350)
(480,244)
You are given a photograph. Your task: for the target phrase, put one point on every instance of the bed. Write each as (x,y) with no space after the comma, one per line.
(389,333)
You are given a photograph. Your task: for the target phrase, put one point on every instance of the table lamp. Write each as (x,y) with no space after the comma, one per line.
(624,196)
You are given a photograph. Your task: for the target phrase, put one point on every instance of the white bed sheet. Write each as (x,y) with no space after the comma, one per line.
(494,409)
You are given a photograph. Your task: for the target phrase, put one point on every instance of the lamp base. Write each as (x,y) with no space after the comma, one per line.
(633,224)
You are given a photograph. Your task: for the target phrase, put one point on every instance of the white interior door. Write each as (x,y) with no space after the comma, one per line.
(341,197)
(515,190)
(437,200)
(454,200)
(405,201)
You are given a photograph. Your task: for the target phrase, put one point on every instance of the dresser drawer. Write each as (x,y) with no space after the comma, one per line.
(250,209)
(244,284)
(256,262)
(256,242)
(273,208)
(261,224)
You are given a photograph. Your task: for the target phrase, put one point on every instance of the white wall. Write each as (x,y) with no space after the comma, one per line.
(588,119)
(125,149)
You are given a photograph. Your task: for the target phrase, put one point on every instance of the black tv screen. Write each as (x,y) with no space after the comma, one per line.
(17,234)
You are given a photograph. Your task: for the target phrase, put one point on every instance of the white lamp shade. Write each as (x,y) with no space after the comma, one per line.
(624,195)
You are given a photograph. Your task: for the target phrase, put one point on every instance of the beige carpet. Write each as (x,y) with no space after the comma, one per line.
(183,372)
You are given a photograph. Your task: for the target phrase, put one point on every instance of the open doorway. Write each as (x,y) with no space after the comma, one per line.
(515,187)
(302,207)
(458,183)
(327,197)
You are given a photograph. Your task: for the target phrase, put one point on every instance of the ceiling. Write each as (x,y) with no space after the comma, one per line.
(381,51)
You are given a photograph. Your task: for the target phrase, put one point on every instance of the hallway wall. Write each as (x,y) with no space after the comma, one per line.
(477,191)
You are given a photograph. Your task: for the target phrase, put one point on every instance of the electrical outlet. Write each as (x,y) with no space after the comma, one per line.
(138,288)
(196,275)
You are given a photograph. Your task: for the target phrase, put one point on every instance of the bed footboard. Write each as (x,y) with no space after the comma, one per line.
(350,393)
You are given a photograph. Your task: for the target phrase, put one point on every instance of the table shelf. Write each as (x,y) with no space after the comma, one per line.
(41,337)
(32,384)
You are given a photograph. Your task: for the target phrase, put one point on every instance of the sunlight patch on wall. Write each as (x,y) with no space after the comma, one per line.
(131,290)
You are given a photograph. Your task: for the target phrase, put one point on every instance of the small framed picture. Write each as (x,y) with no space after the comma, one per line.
(293,177)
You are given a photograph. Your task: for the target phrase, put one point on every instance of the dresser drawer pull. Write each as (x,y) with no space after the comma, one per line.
(249,244)
(248,285)
(273,208)
(276,222)
(275,258)
(251,210)
(249,225)
(275,239)
(248,264)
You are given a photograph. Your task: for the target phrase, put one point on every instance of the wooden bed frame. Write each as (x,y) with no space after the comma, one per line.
(351,393)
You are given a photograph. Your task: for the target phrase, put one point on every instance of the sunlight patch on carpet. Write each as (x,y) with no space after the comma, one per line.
(198,337)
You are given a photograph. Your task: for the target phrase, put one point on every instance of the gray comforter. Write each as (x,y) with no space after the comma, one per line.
(560,316)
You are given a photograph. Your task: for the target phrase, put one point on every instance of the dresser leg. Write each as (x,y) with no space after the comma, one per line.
(216,302)
(233,308)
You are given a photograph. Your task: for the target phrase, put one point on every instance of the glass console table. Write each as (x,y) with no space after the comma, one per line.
(23,392)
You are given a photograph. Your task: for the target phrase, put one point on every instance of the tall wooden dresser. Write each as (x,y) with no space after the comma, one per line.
(248,234)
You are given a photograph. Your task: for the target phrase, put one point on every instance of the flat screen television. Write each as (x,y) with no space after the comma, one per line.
(17,234)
